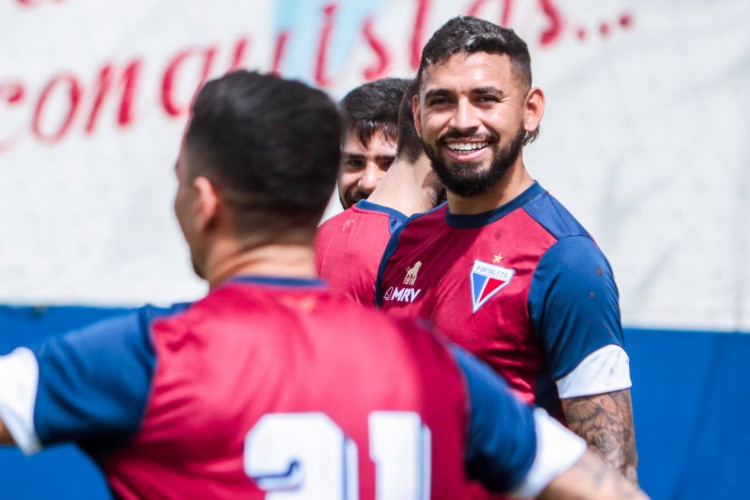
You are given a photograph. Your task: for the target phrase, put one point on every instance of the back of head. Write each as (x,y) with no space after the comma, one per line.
(410,145)
(467,34)
(373,107)
(271,146)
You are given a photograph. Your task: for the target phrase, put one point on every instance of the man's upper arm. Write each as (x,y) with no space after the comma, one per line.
(91,382)
(575,311)
(19,375)
(573,304)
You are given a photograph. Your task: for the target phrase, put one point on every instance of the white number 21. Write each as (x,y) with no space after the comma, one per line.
(307,456)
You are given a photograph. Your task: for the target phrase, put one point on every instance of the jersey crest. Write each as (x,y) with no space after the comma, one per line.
(486,280)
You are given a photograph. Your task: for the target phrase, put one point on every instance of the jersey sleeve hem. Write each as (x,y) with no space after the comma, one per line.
(558,449)
(19,377)
(605,370)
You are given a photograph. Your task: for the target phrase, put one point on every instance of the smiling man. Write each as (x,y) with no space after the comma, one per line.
(504,269)
(369,148)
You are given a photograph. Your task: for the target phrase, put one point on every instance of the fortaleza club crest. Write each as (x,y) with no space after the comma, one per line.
(486,281)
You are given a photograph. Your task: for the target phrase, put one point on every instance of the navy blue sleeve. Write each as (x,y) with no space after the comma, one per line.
(501,442)
(573,303)
(94,383)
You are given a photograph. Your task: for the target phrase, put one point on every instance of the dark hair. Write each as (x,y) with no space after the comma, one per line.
(470,35)
(409,143)
(373,107)
(271,146)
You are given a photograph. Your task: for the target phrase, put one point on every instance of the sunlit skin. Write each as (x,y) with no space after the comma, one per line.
(476,101)
(362,166)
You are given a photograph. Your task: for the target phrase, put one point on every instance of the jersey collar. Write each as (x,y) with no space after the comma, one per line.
(282,281)
(374,207)
(479,220)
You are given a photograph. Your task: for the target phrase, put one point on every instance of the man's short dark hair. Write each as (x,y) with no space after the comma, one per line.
(373,107)
(270,145)
(468,34)
(409,143)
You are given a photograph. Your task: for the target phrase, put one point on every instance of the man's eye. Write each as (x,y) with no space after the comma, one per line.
(355,163)
(385,165)
(437,101)
(488,98)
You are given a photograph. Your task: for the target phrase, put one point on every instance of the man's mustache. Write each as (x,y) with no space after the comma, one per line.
(457,134)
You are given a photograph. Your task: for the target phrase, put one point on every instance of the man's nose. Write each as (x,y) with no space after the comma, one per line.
(370,177)
(465,116)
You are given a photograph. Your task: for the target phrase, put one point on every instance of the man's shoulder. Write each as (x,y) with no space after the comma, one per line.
(552,215)
(430,219)
(358,215)
(334,221)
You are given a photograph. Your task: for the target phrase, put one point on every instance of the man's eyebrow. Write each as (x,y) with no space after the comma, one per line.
(487,90)
(360,155)
(354,155)
(437,93)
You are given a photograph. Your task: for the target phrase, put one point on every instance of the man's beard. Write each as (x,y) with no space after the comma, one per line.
(352,196)
(465,179)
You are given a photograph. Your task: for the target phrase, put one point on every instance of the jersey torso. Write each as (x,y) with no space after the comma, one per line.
(277,385)
(472,284)
(255,375)
(349,246)
(477,279)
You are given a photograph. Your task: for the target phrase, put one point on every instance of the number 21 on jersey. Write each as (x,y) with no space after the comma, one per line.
(308,456)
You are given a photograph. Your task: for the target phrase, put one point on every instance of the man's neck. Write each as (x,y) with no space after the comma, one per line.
(407,188)
(515,181)
(284,260)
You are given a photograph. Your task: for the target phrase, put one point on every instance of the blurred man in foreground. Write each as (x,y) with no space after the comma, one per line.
(272,383)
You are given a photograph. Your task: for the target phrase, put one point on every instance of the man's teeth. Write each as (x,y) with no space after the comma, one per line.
(465,147)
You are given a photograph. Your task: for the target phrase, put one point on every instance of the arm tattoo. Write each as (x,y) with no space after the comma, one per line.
(605,421)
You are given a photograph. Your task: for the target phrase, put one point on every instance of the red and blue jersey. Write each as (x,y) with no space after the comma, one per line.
(524,287)
(349,246)
(274,384)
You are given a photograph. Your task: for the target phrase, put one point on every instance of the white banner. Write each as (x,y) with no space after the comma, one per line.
(645,136)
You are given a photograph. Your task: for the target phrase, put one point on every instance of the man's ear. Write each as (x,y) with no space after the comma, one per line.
(533,109)
(416,115)
(208,202)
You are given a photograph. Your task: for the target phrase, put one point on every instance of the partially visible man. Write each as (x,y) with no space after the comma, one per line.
(349,246)
(261,387)
(371,125)
(503,269)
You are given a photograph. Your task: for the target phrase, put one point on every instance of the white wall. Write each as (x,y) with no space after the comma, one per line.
(645,137)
